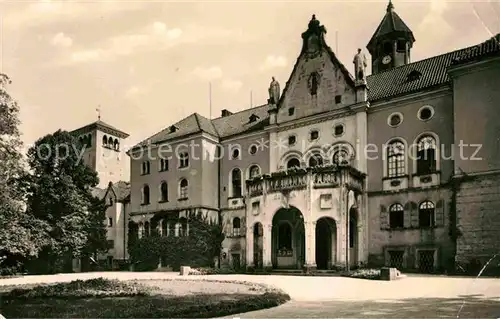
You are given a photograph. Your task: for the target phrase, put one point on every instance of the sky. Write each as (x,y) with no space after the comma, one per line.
(148,64)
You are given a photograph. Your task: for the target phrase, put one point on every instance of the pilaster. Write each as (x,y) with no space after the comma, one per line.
(273,152)
(267,246)
(310,232)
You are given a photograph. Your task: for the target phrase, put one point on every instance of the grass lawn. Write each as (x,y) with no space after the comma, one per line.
(102,298)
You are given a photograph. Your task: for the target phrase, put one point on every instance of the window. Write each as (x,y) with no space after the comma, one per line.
(236,226)
(165,228)
(425,113)
(387,48)
(105,140)
(173,129)
(338,99)
(183,189)
(141,230)
(292,139)
(294,162)
(183,160)
(284,236)
(315,160)
(110,222)
(257,230)
(253,150)
(291,111)
(163,191)
(236,182)
(116,145)
(236,153)
(147,229)
(395,159)
(426,214)
(401,46)
(110,201)
(110,141)
(395,119)
(338,130)
(253,118)
(145,195)
(413,76)
(146,168)
(396,216)
(314,135)
(341,157)
(163,164)
(254,171)
(426,155)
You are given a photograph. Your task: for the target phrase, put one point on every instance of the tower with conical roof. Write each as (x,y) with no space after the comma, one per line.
(391,43)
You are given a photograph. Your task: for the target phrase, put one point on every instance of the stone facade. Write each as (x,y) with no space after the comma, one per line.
(337,171)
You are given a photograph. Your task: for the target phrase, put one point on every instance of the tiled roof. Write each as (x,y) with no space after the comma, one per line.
(121,189)
(98,192)
(390,24)
(194,123)
(240,122)
(102,126)
(398,81)
(490,47)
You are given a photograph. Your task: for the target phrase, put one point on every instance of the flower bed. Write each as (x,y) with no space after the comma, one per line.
(100,298)
(373,274)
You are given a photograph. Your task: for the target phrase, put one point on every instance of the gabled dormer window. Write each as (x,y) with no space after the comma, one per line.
(173,129)
(413,76)
(253,118)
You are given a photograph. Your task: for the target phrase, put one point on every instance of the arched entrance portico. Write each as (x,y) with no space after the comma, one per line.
(288,239)
(326,243)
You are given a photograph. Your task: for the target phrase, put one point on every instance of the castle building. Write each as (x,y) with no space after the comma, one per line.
(103,153)
(398,168)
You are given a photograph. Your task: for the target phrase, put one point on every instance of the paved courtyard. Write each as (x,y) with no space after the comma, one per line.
(335,297)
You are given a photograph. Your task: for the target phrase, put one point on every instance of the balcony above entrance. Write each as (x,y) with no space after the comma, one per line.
(331,176)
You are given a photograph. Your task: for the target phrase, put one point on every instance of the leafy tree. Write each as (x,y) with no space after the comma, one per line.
(60,194)
(96,229)
(21,234)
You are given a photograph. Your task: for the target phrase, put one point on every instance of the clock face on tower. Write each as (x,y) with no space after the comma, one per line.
(387,59)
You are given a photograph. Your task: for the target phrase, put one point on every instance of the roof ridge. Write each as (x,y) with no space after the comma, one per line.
(254,107)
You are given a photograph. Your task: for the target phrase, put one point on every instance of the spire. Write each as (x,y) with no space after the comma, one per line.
(390,6)
(313,37)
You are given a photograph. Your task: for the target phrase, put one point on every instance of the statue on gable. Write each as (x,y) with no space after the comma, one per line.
(360,66)
(274,92)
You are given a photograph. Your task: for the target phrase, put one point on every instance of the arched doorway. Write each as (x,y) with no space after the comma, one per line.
(353,236)
(288,239)
(326,243)
(257,245)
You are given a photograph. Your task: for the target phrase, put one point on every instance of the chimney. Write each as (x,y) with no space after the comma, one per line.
(225,113)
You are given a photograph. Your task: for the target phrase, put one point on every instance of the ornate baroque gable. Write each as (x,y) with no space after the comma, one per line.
(319,82)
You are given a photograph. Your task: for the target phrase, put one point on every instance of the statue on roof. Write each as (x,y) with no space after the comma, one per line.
(360,65)
(274,92)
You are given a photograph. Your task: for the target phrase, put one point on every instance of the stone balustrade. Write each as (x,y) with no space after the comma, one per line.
(301,178)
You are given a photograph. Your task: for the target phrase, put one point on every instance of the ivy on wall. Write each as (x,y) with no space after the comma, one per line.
(198,249)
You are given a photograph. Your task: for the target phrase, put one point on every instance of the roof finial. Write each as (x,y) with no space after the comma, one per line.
(98,110)
(390,6)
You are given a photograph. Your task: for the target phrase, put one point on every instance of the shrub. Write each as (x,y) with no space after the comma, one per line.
(211,271)
(373,274)
(98,287)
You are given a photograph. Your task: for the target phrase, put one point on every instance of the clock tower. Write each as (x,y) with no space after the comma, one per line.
(391,43)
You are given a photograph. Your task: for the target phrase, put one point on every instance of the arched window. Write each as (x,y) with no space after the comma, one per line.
(340,157)
(426,214)
(396,216)
(284,236)
(163,191)
(181,227)
(426,155)
(110,141)
(116,145)
(183,160)
(105,140)
(141,230)
(146,167)
(293,162)
(236,226)
(236,182)
(396,159)
(89,140)
(254,171)
(315,160)
(145,195)
(183,189)
(257,230)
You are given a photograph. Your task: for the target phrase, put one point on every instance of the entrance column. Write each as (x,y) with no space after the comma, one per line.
(310,232)
(249,246)
(267,246)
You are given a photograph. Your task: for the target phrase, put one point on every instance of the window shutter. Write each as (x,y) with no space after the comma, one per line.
(439,213)
(414,214)
(407,215)
(384,217)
